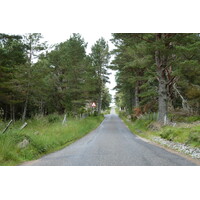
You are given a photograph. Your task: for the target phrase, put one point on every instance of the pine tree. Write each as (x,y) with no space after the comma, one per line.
(33,81)
(135,78)
(100,58)
(12,55)
(34,47)
(168,57)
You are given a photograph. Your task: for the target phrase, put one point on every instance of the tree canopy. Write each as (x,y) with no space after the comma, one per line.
(157,72)
(36,80)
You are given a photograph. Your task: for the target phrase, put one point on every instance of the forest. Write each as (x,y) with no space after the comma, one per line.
(47,92)
(39,79)
(157,73)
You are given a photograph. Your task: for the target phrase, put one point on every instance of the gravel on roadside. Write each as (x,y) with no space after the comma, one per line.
(194,152)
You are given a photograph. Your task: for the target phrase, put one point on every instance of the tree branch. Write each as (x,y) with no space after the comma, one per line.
(135,35)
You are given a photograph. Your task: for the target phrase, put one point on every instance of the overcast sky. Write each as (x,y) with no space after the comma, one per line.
(90,38)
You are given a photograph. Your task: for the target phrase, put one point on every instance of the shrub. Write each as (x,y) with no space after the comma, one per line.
(184,118)
(137,111)
(194,138)
(95,113)
(122,114)
(53,118)
(168,134)
(38,117)
(192,118)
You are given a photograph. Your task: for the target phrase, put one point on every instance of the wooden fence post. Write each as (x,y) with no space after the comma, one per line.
(23,126)
(7,126)
(64,120)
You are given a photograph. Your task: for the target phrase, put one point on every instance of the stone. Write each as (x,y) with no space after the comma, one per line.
(155,126)
(23,144)
(36,133)
(192,151)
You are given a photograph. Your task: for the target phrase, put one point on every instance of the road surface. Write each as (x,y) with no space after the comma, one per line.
(111,144)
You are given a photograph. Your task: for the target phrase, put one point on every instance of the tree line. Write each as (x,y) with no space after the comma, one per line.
(158,72)
(36,79)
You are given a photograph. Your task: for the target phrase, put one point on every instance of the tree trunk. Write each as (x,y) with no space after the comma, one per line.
(41,108)
(162,100)
(13,113)
(185,104)
(6,113)
(99,103)
(25,109)
(136,94)
(161,63)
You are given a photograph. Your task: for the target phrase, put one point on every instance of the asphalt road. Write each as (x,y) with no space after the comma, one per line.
(111,144)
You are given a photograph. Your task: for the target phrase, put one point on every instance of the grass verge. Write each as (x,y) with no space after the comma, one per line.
(45,135)
(186,135)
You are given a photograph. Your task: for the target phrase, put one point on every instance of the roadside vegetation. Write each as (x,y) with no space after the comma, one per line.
(38,80)
(185,130)
(157,72)
(41,136)
(158,85)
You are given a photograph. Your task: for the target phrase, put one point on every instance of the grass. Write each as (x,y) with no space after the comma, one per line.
(189,136)
(139,126)
(184,118)
(106,112)
(45,135)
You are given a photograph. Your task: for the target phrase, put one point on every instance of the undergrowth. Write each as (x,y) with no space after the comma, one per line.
(189,136)
(45,135)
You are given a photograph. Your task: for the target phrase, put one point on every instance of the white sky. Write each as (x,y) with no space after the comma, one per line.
(90,38)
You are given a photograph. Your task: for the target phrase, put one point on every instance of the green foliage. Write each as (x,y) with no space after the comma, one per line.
(95,113)
(64,79)
(107,111)
(8,146)
(142,124)
(106,99)
(168,134)
(12,55)
(189,136)
(53,118)
(122,114)
(136,74)
(194,138)
(138,126)
(100,58)
(43,138)
(184,117)
(192,118)
(140,72)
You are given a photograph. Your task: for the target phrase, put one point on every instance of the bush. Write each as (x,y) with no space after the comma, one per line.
(95,113)
(192,118)
(122,114)
(168,134)
(194,138)
(184,118)
(53,118)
